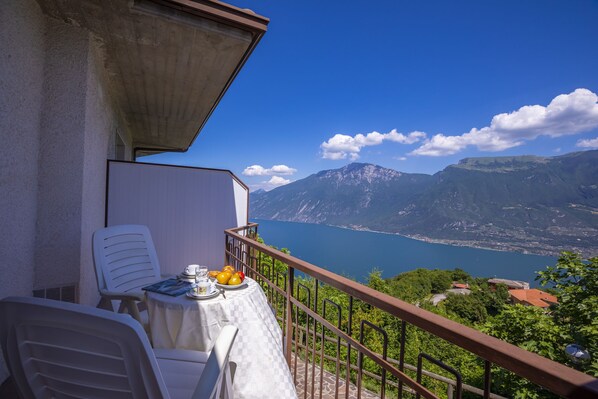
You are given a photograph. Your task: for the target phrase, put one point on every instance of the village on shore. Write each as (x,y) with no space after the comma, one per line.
(519,293)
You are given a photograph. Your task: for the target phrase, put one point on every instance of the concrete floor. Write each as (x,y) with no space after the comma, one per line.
(328,384)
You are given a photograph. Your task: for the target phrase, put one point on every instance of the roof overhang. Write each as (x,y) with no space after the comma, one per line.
(168,62)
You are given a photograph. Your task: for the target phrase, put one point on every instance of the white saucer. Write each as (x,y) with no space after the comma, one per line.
(193,295)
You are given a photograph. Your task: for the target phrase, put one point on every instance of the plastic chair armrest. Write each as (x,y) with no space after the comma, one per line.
(123,296)
(183,355)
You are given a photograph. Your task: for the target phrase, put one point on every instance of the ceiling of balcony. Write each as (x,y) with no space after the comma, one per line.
(168,62)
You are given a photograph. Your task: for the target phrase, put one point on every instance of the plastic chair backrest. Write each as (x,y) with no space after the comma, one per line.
(125,258)
(210,382)
(59,349)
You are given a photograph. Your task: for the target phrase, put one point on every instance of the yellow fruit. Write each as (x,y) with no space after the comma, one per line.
(213,273)
(223,277)
(234,280)
(228,268)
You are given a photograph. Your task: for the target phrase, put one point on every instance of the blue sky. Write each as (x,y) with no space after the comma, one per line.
(421,74)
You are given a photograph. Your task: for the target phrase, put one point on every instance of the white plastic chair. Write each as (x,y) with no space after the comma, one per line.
(125,260)
(63,350)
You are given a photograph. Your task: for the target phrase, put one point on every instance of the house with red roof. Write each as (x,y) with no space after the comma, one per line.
(533,297)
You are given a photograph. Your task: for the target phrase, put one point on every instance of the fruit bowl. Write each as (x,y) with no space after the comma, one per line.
(232,287)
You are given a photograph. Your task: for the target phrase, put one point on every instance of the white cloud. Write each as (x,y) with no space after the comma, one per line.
(342,146)
(278,181)
(254,170)
(402,158)
(588,143)
(566,114)
(282,170)
(258,170)
(275,181)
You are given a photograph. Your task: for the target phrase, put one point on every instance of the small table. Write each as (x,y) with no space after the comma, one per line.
(185,323)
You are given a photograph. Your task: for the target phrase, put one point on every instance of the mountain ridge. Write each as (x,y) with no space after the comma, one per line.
(524,203)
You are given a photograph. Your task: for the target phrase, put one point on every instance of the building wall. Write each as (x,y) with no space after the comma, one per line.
(101,125)
(57,124)
(185,209)
(21,83)
(77,135)
(61,147)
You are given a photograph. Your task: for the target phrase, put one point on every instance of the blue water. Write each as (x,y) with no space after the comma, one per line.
(356,253)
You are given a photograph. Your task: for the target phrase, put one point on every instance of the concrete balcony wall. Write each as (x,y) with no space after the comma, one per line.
(186,209)
(21,85)
(58,128)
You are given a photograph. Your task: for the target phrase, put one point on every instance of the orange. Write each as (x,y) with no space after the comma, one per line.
(234,280)
(223,277)
(228,268)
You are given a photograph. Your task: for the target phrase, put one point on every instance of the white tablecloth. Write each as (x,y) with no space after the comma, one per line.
(184,323)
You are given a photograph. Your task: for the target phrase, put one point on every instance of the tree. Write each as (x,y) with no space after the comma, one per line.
(460,275)
(493,300)
(468,307)
(575,283)
(441,280)
(534,330)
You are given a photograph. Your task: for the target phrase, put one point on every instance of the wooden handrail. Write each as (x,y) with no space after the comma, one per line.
(556,377)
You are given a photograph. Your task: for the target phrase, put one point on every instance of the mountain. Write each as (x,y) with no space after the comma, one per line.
(525,203)
(345,196)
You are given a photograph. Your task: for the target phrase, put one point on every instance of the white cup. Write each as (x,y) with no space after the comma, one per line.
(191,269)
(203,287)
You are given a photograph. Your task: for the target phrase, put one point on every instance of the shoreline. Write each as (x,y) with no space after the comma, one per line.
(455,243)
(500,247)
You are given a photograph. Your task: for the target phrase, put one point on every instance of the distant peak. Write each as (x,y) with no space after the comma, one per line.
(358,172)
(501,164)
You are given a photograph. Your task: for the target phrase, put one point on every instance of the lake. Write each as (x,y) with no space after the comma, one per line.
(356,253)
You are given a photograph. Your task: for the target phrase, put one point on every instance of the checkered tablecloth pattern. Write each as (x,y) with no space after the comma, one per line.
(184,323)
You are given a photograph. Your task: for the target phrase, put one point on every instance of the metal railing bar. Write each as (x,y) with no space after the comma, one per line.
(363,349)
(313,349)
(441,378)
(265,280)
(349,333)
(442,365)
(554,376)
(487,376)
(254,262)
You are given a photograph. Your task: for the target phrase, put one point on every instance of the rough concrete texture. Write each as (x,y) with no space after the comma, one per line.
(166,74)
(78,123)
(21,80)
(56,123)
(61,148)
(101,125)
(57,126)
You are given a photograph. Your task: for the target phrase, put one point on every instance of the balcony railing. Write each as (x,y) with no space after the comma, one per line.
(328,335)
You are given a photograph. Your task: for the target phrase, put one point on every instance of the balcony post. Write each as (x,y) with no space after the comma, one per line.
(289,319)
(226,255)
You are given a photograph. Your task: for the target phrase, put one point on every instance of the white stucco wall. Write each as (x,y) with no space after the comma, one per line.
(101,123)
(57,125)
(77,128)
(21,82)
(185,209)
(61,151)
